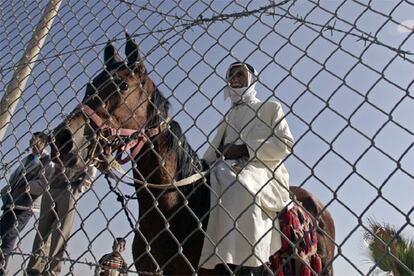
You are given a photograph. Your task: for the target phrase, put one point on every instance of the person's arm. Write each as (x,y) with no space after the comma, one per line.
(271,140)
(231,151)
(98,271)
(16,175)
(98,268)
(124,268)
(38,185)
(13,178)
(11,185)
(212,153)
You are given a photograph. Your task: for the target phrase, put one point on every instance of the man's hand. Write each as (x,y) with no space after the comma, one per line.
(231,151)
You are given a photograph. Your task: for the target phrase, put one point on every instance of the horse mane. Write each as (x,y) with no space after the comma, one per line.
(158,108)
(188,162)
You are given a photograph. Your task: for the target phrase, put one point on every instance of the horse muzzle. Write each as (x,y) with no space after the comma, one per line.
(62,147)
(70,143)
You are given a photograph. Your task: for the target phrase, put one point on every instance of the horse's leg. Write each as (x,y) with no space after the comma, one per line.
(325,230)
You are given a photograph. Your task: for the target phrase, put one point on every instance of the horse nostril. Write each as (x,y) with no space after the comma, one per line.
(63,144)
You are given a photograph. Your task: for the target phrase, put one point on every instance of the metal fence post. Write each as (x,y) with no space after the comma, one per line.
(17,84)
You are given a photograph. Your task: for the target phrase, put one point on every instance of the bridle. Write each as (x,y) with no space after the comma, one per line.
(122,140)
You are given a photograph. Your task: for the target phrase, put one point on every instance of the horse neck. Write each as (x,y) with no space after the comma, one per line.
(157,165)
(160,210)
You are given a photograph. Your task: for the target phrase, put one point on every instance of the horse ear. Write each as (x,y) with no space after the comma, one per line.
(131,51)
(110,55)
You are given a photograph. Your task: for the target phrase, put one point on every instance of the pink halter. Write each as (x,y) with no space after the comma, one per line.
(135,144)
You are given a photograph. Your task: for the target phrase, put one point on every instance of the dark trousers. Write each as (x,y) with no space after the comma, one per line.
(11,223)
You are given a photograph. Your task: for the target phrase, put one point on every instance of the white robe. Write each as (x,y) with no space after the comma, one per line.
(247,193)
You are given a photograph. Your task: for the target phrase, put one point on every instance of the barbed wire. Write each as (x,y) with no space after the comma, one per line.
(200,21)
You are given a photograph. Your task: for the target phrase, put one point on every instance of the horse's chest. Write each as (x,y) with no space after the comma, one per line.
(168,201)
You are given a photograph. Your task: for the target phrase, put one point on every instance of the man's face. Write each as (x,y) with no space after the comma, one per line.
(238,77)
(37,145)
(118,246)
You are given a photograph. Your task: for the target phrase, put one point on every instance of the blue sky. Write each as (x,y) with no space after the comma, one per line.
(349,103)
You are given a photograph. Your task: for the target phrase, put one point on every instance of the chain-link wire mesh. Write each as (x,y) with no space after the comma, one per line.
(342,71)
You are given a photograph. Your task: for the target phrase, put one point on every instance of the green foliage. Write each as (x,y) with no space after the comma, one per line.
(389,250)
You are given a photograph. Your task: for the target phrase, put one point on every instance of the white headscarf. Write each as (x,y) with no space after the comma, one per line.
(243,94)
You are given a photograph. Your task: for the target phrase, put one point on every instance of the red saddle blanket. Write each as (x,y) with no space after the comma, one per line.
(298,254)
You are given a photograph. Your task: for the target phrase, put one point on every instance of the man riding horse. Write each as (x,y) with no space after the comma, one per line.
(251,185)
(124,111)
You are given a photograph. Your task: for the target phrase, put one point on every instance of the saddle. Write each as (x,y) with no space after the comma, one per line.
(298,254)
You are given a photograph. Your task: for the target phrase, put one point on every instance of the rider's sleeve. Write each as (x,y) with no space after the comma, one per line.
(211,154)
(270,139)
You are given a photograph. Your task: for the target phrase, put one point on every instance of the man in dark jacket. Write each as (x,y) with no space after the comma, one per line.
(22,194)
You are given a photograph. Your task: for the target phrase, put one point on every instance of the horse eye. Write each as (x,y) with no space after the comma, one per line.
(123,86)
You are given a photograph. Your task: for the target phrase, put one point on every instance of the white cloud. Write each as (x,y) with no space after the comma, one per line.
(406,26)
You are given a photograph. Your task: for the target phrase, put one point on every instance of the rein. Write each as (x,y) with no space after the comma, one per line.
(183,182)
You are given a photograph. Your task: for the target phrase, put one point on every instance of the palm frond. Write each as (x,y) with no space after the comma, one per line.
(388,249)
(405,253)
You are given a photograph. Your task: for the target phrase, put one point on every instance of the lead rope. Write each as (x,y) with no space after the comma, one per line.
(121,199)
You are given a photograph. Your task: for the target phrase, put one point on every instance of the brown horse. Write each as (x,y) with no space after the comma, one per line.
(169,234)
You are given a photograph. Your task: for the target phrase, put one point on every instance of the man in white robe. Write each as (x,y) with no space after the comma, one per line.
(248,179)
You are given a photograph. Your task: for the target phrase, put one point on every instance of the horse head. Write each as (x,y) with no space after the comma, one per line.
(118,98)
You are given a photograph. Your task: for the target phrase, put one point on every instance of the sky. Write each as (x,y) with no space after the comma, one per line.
(348,101)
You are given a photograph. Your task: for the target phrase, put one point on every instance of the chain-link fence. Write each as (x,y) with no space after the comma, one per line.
(341,70)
